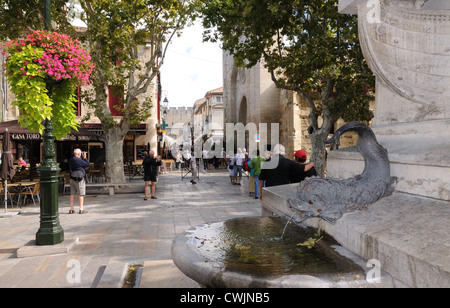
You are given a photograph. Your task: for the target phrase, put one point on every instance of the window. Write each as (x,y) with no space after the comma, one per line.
(115,97)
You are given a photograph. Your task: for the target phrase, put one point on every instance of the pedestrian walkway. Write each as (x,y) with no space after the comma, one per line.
(118,230)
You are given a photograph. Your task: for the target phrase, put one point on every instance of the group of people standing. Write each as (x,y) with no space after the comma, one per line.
(262,174)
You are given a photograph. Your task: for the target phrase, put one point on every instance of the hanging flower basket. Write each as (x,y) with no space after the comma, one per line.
(44,69)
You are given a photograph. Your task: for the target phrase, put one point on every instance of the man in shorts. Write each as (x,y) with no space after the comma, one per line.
(77,179)
(151,165)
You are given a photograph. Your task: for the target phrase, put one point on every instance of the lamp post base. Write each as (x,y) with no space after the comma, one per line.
(50,231)
(50,236)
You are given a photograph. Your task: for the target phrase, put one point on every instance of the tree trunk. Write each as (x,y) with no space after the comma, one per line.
(114,155)
(318,139)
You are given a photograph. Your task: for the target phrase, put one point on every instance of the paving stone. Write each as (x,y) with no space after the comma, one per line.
(119,230)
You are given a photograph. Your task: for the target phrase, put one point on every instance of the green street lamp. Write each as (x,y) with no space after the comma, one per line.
(50,231)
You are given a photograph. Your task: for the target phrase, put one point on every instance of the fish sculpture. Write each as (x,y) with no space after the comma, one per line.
(329,198)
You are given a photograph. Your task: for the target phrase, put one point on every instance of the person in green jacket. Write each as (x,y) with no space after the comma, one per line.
(255,164)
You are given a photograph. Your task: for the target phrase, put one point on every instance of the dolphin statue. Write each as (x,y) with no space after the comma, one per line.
(329,198)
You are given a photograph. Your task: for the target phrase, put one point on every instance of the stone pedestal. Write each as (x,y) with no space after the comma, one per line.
(407,45)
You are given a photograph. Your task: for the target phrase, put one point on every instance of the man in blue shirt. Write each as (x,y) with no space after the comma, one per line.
(151,165)
(77,179)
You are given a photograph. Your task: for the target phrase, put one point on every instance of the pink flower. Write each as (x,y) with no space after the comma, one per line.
(62,56)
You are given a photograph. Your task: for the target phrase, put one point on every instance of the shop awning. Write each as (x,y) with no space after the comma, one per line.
(17,133)
(140,129)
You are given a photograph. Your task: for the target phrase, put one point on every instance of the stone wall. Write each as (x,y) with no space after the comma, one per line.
(250,96)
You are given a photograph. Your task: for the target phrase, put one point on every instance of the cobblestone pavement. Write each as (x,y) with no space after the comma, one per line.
(122,228)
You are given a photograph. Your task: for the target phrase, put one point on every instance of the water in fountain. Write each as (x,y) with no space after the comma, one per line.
(253,245)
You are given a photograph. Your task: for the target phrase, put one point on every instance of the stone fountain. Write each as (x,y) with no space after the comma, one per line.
(254,252)
(407,45)
(270,252)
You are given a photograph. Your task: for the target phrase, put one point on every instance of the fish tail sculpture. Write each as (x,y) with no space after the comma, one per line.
(329,198)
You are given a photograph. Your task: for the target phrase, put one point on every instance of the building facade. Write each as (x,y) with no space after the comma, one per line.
(177,134)
(251,98)
(144,134)
(209,119)
(280,116)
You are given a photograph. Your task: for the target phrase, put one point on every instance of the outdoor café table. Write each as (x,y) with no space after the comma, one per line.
(18,188)
(93,175)
(137,170)
(15,189)
(27,186)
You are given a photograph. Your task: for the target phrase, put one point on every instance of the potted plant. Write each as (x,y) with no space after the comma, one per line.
(44,69)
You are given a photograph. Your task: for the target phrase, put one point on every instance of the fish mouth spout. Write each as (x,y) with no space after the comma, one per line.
(306,210)
(302,209)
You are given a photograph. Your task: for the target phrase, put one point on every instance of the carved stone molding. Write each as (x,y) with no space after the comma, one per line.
(408,49)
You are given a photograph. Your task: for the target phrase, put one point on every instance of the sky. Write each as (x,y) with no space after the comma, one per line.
(191,68)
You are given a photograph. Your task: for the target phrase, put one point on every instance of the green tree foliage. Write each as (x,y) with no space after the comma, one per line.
(308,47)
(18,16)
(127,41)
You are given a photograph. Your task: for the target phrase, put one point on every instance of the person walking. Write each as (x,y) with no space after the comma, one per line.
(187,156)
(179,160)
(223,159)
(205,159)
(77,164)
(193,165)
(256,164)
(150,164)
(251,177)
(230,163)
(239,158)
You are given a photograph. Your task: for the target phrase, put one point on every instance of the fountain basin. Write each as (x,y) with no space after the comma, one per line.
(250,252)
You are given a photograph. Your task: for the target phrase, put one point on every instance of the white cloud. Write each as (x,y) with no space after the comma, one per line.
(191,68)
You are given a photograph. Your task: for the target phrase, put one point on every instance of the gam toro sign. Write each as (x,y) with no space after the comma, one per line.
(18,133)
(28,136)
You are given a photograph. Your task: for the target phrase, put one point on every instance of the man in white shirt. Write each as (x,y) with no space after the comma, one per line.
(187,156)
(205,159)
(239,158)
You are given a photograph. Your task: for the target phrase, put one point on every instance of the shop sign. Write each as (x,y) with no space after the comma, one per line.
(27,136)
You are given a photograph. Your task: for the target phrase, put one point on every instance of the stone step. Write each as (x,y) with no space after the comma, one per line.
(112,276)
(407,234)
(164,274)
